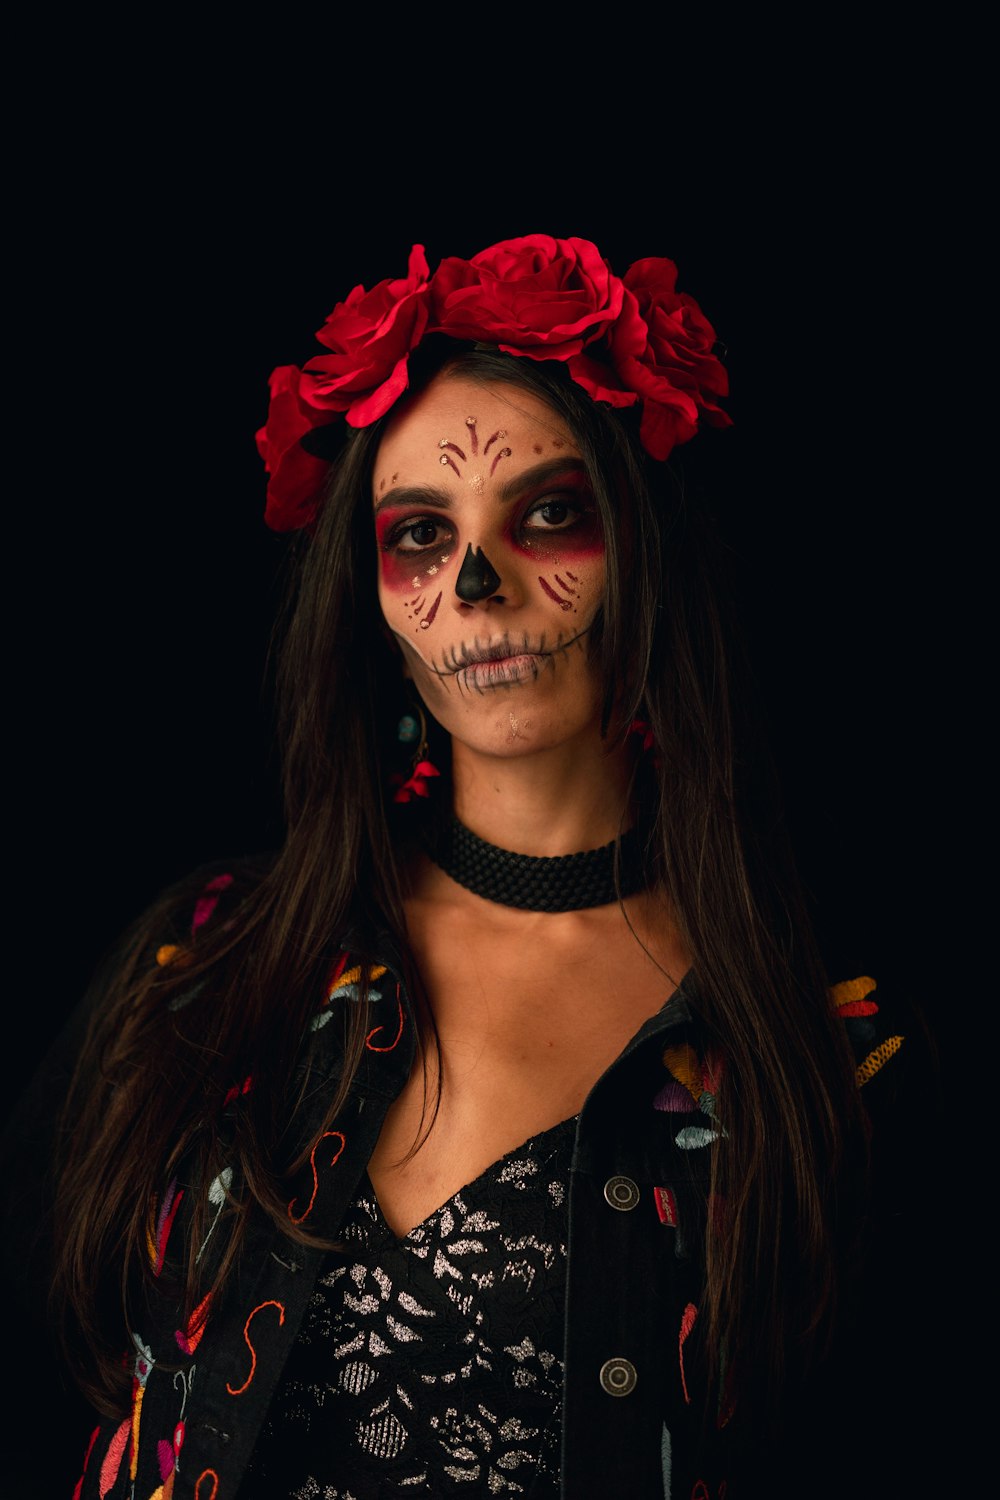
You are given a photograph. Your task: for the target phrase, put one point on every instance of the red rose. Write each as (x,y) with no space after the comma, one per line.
(371,335)
(537,296)
(296,477)
(661,348)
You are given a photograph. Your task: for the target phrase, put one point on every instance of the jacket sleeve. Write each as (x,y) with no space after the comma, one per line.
(42,1399)
(873,1422)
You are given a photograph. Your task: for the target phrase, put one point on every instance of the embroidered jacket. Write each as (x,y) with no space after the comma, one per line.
(632,1423)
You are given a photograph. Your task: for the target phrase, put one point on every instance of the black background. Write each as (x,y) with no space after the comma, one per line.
(187,218)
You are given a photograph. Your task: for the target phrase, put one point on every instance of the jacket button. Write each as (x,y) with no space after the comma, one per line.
(618,1377)
(621,1193)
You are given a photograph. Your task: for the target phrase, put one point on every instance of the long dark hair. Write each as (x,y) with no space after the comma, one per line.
(154,1073)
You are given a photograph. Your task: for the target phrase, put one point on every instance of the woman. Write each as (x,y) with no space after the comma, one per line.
(500,1134)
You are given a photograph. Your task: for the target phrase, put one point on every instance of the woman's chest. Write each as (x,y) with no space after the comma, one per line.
(522,1030)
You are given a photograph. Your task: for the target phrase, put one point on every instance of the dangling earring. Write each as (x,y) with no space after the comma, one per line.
(413,730)
(643,731)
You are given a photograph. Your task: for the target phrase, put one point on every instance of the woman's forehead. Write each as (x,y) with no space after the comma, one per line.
(457,425)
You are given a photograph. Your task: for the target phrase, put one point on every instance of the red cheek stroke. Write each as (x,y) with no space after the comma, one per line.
(562,603)
(562,590)
(415,610)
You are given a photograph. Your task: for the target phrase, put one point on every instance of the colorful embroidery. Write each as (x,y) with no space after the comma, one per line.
(157,1247)
(327,1134)
(345,984)
(191,1337)
(666,1460)
(376,1029)
(877,1059)
(850,991)
(206,1474)
(688,1317)
(217,1194)
(86,1460)
(693,1085)
(113,1458)
(852,997)
(209,900)
(167,1459)
(143,1366)
(674,1098)
(238,1390)
(685,1064)
(237,1091)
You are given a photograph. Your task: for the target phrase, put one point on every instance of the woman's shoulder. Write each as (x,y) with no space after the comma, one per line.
(195,906)
(168,927)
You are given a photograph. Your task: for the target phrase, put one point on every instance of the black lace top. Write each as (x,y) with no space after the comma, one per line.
(432,1364)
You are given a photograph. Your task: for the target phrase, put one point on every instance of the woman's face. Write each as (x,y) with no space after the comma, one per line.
(491,564)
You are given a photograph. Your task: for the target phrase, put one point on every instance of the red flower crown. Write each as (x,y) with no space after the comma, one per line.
(536,297)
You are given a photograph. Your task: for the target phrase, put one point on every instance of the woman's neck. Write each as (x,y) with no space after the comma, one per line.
(550,802)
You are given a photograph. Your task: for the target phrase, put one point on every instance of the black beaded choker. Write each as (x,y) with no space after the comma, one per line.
(565,882)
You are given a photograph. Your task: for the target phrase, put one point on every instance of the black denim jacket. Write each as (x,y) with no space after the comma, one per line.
(634,1408)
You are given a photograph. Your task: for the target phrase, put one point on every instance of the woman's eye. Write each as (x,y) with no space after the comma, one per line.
(554,515)
(416,535)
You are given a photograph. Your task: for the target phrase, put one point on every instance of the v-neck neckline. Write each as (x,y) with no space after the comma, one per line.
(368,1188)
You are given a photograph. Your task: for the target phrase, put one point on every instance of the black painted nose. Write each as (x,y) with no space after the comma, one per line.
(477,578)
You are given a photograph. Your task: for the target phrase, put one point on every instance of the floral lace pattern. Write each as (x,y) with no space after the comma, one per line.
(432,1364)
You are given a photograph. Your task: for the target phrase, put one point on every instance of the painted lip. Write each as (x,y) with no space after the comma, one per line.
(498,671)
(505,649)
(504,662)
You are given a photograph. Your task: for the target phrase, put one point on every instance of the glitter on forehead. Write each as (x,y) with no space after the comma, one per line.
(475,481)
(498,436)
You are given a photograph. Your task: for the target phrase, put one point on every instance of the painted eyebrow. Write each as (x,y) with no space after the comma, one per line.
(412,497)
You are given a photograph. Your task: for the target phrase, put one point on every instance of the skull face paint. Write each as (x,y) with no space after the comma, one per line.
(491,562)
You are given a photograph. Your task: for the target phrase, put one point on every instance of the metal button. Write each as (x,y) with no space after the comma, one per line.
(618,1377)
(621,1193)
